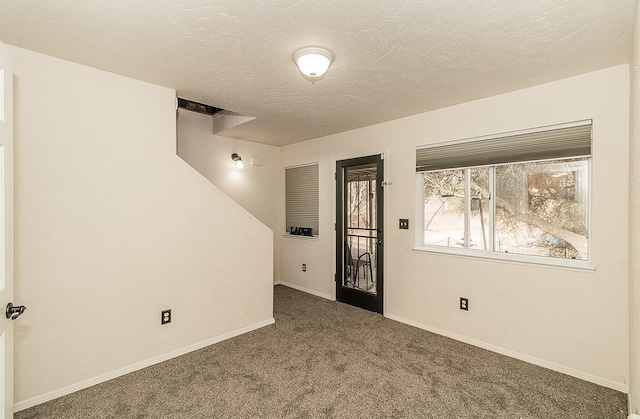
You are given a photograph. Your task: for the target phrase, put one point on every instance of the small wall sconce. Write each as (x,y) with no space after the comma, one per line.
(236,158)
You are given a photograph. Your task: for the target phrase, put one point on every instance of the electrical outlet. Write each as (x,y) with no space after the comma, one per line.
(166,316)
(304,267)
(403,224)
(464,304)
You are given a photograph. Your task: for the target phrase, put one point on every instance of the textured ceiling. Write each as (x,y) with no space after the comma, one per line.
(393,58)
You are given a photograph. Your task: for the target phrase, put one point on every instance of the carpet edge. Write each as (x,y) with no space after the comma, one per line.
(605,382)
(307,290)
(25,404)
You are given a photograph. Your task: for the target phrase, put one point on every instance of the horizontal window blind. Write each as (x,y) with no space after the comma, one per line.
(562,141)
(301,190)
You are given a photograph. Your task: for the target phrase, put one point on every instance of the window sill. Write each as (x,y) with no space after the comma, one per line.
(571,265)
(299,237)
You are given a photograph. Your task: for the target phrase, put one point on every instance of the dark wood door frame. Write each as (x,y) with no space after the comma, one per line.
(355,297)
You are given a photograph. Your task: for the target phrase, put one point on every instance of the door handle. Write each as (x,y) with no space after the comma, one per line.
(13,312)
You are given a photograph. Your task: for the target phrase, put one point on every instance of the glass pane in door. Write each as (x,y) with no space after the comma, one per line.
(361,231)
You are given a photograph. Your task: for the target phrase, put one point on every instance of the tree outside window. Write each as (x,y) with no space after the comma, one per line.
(531,208)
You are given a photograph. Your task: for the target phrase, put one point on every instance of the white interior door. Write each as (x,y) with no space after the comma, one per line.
(6,232)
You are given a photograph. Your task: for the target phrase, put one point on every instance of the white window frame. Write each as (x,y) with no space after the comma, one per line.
(490,254)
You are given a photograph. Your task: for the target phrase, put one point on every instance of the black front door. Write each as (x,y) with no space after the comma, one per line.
(359,232)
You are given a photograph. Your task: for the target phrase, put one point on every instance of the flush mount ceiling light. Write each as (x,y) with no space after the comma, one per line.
(236,158)
(313,62)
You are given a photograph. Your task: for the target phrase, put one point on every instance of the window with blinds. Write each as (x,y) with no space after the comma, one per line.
(517,195)
(301,200)
(567,140)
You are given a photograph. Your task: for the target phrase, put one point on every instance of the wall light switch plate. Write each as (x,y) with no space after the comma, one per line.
(404,224)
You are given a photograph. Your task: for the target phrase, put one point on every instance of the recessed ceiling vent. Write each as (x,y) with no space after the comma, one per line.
(222,118)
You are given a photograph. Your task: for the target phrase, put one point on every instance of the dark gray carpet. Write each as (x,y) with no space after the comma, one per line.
(327,359)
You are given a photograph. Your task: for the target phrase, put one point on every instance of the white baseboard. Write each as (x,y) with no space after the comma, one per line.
(523,357)
(25,404)
(307,290)
(633,416)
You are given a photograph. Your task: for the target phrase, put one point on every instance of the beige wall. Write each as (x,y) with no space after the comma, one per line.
(255,188)
(572,321)
(112,227)
(634,223)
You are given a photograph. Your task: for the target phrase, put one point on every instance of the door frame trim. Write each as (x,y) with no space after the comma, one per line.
(386,154)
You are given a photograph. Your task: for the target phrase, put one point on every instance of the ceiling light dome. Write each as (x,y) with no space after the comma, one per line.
(313,62)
